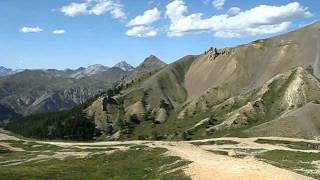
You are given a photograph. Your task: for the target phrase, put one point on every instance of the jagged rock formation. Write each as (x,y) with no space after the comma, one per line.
(103,111)
(213,53)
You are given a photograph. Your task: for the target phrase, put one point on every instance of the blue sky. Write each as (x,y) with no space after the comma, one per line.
(107,31)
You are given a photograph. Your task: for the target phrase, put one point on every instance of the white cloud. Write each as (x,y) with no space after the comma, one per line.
(58,31)
(95,7)
(176,9)
(233,11)
(260,20)
(142,31)
(147,18)
(218,4)
(75,9)
(103,6)
(30,29)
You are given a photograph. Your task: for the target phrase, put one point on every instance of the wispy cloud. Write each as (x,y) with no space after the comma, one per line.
(30,29)
(95,7)
(58,31)
(142,31)
(218,4)
(234,11)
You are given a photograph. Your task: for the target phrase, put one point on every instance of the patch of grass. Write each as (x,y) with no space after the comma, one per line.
(224,153)
(131,164)
(172,129)
(132,97)
(299,162)
(32,146)
(142,78)
(91,150)
(3,150)
(31,150)
(109,145)
(15,156)
(291,144)
(216,142)
(233,132)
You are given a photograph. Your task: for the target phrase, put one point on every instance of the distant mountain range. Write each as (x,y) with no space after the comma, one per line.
(70,73)
(34,91)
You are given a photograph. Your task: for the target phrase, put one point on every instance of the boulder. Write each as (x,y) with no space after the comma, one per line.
(232,153)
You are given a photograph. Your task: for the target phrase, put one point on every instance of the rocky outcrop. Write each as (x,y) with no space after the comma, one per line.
(213,53)
(136,109)
(161,116)
(105,112)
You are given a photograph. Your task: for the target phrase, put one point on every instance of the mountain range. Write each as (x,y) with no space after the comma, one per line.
(39,91)
(269,87)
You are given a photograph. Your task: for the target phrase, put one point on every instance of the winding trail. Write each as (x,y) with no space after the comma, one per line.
(206,165)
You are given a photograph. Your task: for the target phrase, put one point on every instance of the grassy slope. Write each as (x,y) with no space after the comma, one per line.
(138,162)
(296,161)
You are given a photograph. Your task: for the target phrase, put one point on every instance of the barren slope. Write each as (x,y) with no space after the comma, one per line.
(302,122)
(248,66)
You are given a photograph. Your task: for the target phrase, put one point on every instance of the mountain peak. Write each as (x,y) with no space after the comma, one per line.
(124,66)
(153,56)
(151,62)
